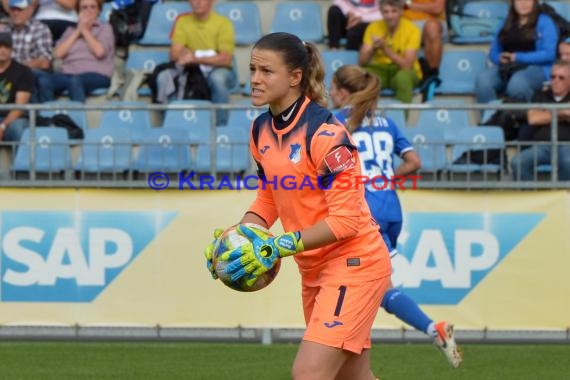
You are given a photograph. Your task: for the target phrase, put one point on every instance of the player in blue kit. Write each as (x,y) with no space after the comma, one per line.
(355,92)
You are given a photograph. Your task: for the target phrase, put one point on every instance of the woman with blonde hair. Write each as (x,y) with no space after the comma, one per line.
(356,92)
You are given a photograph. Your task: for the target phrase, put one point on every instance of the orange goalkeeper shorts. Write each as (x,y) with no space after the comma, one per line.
(340,315)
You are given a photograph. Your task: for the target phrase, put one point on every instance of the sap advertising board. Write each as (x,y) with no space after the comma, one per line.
(75,256)
(71,256)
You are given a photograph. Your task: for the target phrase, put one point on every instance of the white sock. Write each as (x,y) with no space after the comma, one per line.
(431,331)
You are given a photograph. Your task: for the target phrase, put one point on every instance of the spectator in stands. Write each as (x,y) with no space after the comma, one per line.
(58,15)
(564,50)
(32,39)
(206,38)
(524,164)
(523,52)
(429,16)
(16,85)
(390,50)
(349,19)
(87,52)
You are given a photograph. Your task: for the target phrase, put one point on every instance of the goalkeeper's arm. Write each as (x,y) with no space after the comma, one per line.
(316,236)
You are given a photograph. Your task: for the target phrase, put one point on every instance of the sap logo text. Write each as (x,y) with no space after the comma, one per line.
(65,258)
(444,256)
(68,256)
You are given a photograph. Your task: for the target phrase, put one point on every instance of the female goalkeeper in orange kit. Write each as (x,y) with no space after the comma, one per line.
(344,264)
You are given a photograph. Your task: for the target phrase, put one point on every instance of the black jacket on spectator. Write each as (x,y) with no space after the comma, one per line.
(542,133)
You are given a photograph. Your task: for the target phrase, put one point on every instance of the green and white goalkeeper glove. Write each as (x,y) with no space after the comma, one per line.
(261,254)
(209,251)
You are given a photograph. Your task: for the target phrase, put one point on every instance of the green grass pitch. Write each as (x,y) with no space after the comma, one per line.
(183,360)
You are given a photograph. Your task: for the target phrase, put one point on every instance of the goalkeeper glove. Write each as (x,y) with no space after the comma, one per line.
(261,254)
(209,250)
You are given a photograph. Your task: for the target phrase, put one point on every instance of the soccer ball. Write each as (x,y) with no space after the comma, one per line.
(229,240)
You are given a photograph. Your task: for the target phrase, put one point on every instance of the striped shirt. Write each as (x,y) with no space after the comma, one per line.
(31,41)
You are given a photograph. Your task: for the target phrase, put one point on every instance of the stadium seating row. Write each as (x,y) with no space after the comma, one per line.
(111,150)
(459,68)
(305,18)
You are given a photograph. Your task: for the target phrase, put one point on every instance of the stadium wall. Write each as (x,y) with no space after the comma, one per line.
(133,258)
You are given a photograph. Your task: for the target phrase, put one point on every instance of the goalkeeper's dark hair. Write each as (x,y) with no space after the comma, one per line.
(302,55)
(364,89)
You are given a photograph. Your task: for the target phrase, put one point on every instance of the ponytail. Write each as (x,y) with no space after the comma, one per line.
(314,75)
(364,89)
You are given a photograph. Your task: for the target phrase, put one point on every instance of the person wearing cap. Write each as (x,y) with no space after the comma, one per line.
(57,15)
(32,39)
(87,52)
(16,85)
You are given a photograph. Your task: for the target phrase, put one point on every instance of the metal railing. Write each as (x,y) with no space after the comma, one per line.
(442,179)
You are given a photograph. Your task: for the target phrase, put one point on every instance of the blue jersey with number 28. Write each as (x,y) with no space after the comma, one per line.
(378,139)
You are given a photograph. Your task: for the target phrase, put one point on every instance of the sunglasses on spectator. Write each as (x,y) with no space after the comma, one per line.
(88,7)
(559,77)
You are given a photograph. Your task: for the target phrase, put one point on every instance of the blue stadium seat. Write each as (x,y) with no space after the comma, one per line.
(146,60)
(304,18)
(105,150)
(429,143)
(333,59)
(52,151)
(161,21)
(459,69)
(480,23)
(164,149)
(79,116)
(448,121)
(473,139)
(188,118)
(245,18)
(243,118)
(232,152)
(136,122)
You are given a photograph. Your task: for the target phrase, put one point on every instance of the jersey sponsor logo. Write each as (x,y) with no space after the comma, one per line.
(443,257)
(326,133)
(332,324)
(51,256)
(264,149)
(295,153)
(339,159)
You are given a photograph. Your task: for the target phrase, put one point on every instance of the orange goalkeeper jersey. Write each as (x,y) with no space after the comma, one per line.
(302,165)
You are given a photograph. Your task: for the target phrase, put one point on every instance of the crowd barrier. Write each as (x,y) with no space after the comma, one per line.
(203,141)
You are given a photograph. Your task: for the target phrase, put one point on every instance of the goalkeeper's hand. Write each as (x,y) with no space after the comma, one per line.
(261,254)
(209,250)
